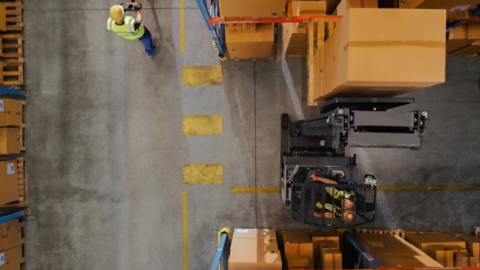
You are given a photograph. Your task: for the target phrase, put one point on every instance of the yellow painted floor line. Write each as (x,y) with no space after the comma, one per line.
(201,76)
(256,190)
(203,174)
(204,124)
(380,188)
(185,230)
(182,26)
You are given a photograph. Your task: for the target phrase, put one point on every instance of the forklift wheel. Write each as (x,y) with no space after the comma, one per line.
(285,121)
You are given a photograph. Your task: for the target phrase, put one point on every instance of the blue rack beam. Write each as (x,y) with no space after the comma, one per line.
(202,5)
(7,216)
(10,91)
(221,254)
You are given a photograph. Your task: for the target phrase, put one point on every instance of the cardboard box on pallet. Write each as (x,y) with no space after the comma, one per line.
(464,259)
(472,243)
(375,52)
(13,258)
(252,8)
(8,182)
(255,254)
(463,36)
(246,45)
(11,112)
(456,8)
(298,243)
(10,140)
(323,238)
(297,262)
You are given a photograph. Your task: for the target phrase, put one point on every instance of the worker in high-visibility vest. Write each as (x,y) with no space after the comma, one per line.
(130,28)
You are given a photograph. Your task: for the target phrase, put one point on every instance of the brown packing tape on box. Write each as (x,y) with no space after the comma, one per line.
(423,43)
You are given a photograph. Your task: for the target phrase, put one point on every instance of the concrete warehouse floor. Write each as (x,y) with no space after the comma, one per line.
(105,145)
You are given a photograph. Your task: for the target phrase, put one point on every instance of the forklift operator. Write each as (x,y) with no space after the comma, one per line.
(130,28)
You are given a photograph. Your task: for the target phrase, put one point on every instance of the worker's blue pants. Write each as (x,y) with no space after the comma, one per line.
(146,39)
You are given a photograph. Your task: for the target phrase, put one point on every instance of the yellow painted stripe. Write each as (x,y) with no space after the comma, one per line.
(427,188)
(203,174)
(380,188)
(185,230)
(256,190)
(206,124)
(182,26)
(201,75)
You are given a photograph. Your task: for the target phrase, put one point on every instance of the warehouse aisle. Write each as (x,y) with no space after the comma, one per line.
(106,149)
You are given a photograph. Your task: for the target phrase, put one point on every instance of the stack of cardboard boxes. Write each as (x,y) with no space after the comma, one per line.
(11,122)
(447,248)
(393,251)
(298,249)
(11,252)
(381,52)
(254,249)
(326,249)
(251,41)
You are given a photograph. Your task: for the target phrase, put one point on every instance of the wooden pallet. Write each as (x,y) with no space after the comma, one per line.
(11,46)
(397,232)
(14,14)
(22,185)
(11,71)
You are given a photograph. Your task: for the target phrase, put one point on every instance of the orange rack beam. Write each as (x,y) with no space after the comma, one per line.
(294,19)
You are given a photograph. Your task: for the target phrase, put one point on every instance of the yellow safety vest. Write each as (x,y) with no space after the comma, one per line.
(126,30)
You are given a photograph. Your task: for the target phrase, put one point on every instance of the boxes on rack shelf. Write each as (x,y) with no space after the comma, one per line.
(11,112)
(345,5)
(250,45)
(382,52)
(298,243)
(252,8)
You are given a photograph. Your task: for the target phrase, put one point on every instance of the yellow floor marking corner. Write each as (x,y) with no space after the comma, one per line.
(204,124)
(203,174)
(182,26)
(201,76)
(256,190)
(185,230)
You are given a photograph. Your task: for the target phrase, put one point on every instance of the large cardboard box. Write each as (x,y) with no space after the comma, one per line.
(382,52)
(298,243)
(8,182)
(423,240)
(463,36)
(254,234)
(393,251)
(10,140)
(11,111)
(247,45)
(252,8)
(254,254)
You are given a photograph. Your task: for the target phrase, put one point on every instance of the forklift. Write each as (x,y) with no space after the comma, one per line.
(315,149)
